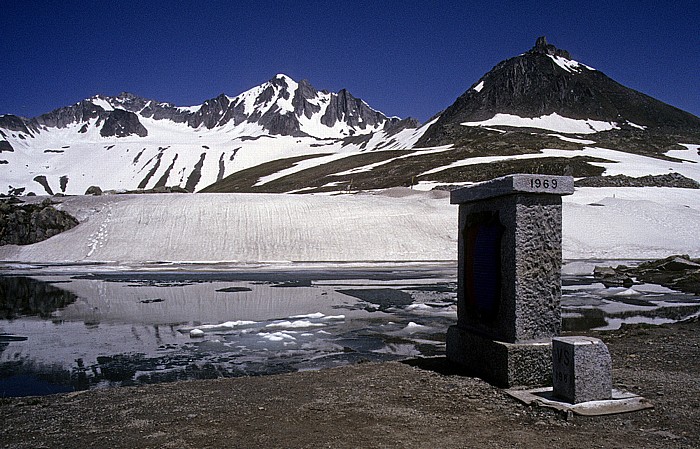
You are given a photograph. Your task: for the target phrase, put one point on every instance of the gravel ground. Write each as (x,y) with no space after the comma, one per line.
(420,404)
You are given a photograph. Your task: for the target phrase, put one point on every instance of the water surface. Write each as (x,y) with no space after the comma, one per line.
(79,328)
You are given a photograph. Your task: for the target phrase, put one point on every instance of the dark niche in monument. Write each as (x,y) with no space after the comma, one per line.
(482,271)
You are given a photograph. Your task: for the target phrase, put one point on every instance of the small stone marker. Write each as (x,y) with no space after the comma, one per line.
(509,280)
(581,369)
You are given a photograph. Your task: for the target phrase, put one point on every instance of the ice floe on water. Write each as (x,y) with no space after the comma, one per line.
(154,326)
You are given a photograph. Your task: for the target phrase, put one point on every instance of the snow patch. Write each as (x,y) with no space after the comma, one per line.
(634,125)
(573,140)
(101,102)
(569,65)
(551,122)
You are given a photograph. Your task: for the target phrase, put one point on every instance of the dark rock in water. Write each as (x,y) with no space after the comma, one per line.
(93,190)
(385,298)
(30,223)
(678,272)
(610,277)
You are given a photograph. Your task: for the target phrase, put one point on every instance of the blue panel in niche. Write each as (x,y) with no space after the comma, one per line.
(483,267)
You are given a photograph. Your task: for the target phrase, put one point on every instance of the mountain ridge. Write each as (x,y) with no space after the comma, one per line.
(540,112)
(259,104)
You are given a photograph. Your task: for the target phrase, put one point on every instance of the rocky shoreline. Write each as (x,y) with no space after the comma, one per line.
(415,404)
(678,272)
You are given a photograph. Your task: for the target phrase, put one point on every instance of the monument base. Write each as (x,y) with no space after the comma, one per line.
(502,364)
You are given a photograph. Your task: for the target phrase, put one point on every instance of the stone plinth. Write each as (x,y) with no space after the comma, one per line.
(509,280)
(581,369)
(502,364)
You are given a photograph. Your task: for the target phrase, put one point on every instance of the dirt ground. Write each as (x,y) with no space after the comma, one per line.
(406,405)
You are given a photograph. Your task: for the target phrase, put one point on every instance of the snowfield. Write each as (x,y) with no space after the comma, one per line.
(552,122)
(396,225)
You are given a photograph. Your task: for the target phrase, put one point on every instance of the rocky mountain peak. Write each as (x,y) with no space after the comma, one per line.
(542,47)
(281,80)
(128,96)
(544,81)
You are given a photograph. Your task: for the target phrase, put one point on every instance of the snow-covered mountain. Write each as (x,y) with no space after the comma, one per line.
(538,112)
(128,142)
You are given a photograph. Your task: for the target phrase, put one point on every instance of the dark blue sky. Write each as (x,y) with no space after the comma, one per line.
(404,58)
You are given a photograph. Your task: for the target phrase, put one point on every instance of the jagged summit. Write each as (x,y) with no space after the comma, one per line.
(542,47)
(280,106)
(545,81)
(151,144)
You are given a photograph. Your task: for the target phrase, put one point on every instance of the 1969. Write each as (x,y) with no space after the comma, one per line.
(543,183)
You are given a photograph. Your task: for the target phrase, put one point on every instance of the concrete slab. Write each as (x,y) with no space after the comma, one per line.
(621,402)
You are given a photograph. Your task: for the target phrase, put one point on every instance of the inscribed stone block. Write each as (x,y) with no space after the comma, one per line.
(581,369)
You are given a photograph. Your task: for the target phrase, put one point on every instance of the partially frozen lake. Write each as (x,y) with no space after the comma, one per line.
(65,328)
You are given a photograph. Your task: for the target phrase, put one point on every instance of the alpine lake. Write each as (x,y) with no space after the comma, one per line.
(75,327)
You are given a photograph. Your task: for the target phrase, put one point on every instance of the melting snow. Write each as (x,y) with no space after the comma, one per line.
(381,227)
(294,324)
(573,140)
(569,65)
(277,336)
(101,102)
(634,125)
(552,122)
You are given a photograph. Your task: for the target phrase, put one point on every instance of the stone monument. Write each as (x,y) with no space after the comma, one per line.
(509,278)
(581,369)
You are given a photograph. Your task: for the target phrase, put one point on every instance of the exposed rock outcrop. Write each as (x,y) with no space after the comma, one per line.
(666,180)
(542,47)
(5,146)
(678,272)
(94,190)
(121,123)
(24,224)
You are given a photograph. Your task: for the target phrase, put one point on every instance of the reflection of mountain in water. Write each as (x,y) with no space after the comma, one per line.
(25,296)
(134,328)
